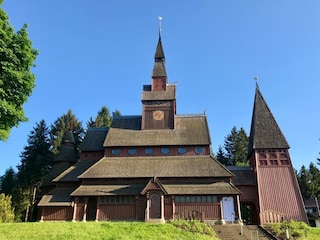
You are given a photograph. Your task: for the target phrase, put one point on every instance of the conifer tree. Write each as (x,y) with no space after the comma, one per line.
(61,126)
(16,79)
(236,147)
(221,157)
(8,182)
(36,161)
(103,118)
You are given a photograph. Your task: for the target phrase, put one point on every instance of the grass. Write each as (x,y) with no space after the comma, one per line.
(297,230)
(100,230)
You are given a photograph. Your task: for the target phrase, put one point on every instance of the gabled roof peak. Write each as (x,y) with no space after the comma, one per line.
(265,132)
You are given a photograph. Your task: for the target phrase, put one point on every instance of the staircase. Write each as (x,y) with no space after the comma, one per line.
(233,232)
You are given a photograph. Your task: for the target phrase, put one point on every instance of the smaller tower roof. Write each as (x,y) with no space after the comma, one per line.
(159,69)
(265,132)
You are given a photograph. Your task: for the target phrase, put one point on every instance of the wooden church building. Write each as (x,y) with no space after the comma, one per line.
(158,166)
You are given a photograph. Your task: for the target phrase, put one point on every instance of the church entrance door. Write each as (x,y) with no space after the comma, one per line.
(155,206)
(228,209)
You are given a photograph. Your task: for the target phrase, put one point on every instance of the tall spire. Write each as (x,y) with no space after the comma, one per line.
(159,69)
(265,132)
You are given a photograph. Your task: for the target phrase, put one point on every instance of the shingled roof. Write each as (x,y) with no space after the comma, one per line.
(159,69)
(93,141)
(108,190)
(159,166)
(57,197)
(265,132)
(169,94)
(188,130)
(213,188)
(71,174)
(243,175)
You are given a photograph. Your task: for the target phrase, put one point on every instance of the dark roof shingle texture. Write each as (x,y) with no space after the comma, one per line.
(57,197)
(108,190)
(265,132)
(243,175)
(93,141)
(188,130)
(169,94)
(213,188)
(169,166)
(71,174)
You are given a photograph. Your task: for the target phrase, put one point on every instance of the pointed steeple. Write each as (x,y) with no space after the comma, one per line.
(265,132)
(159,69)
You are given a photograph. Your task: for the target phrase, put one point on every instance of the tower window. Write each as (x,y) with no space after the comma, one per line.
(273,162)
(132,151)
(263,162)
(182,150)
(198,150)
(115,151)
(148,151)
(165,150)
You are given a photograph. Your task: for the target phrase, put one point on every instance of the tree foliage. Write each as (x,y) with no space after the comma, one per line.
(8,181)
(235,148)
(16,79)
(36,159)
(309,181)
(103,118)
(61,126)
(36,162)
(6,210)
(221,157)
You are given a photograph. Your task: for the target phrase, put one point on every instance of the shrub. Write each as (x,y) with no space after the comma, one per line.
(296,229)
(6,210)
(193,226)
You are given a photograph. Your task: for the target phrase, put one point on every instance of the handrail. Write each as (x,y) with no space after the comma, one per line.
(268,233)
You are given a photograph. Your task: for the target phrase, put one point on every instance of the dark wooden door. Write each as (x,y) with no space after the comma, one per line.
(155,206)
(92,208)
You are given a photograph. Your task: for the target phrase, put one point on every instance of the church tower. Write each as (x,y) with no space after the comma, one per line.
(159,98)
(278,190)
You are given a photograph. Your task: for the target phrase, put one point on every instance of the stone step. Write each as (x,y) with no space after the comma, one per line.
(238,232)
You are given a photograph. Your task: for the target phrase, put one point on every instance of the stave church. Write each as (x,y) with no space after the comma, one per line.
(157,166)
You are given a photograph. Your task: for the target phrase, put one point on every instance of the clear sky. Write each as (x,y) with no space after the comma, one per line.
(95,53)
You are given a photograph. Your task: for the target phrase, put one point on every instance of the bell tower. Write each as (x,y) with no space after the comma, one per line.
(159,98)
(278,190)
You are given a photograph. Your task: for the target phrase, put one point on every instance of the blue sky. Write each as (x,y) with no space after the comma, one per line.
(95,53)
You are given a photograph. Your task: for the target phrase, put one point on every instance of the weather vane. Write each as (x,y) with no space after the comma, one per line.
(160,19)
(255,78)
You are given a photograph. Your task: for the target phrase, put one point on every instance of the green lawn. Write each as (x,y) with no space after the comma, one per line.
(94,230)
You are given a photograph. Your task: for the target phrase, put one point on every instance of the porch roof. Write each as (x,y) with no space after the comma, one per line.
(219,188)
(59,196)
(108,190)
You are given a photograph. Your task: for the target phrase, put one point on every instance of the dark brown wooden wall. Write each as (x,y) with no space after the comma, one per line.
(57,213)
(211,211)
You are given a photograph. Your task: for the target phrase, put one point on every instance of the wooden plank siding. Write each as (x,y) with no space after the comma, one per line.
(57,213)
(279,193)
(79,212)
(117,212)
(210,211)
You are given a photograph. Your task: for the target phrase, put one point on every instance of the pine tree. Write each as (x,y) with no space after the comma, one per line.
(103,118)
(36,161)
(304,179)
(8,182)
(236,147)
(221,157)
(61,126)
(309,181)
